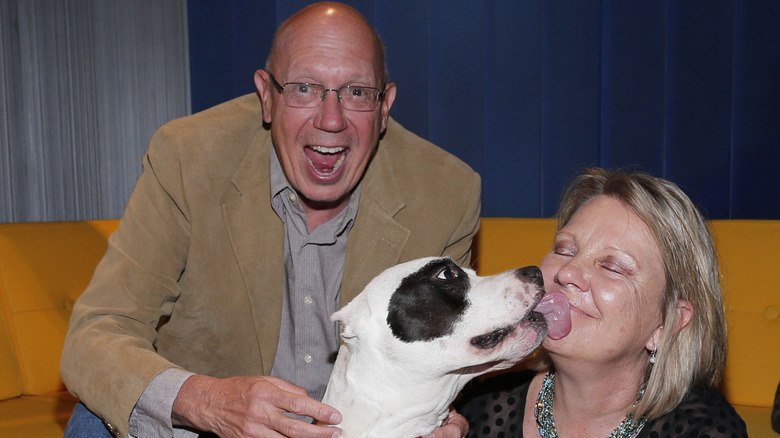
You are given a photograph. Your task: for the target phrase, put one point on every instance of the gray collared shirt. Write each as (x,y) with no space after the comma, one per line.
(313,265)
(308,341)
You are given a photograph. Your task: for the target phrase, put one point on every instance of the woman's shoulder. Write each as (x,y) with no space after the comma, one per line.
(494,405)
(703,412)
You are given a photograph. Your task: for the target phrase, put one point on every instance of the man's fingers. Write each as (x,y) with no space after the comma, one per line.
(302,404)
(252,407)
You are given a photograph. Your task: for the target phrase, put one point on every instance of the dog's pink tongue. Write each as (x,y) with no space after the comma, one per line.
(555,308)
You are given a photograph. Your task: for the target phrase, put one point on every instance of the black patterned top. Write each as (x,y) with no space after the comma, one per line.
(494,408)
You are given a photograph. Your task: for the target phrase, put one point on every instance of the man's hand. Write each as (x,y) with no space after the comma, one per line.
(454,426)
(251,407)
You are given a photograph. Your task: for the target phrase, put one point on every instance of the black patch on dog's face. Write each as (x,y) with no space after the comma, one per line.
(429,302)
(491,340)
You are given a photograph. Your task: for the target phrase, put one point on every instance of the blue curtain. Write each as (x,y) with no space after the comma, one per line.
(83,86)
(528,92)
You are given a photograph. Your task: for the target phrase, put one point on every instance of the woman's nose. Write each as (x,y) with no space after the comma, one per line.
(571,275)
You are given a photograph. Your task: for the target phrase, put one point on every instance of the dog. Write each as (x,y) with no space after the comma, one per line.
(418,333)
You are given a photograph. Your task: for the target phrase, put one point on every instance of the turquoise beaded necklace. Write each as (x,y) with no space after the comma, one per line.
(543,410)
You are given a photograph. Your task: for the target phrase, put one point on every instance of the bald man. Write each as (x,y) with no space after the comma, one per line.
(251,223)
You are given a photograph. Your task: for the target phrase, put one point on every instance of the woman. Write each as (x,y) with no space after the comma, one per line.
(647,343)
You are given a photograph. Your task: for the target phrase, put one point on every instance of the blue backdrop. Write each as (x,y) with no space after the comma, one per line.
(530,91)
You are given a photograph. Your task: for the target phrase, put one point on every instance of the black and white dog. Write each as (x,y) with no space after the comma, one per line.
(418,333)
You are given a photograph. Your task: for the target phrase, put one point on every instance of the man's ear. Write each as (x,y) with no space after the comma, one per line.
(264,87)
(387,103)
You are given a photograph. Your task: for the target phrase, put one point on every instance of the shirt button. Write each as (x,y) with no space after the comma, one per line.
(292,197)
(308,300)
(307,358)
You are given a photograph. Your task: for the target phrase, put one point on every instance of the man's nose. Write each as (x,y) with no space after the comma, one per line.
(331,114)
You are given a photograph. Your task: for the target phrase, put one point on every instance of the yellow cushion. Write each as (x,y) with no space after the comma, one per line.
(37,416)
(758,421)
(44,267)
(508,243)
(749,252)
(10,380)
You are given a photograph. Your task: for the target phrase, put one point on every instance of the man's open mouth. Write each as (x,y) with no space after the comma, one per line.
(325,160)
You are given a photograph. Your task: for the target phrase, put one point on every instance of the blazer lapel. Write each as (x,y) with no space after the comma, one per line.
(257,237)
(377,239)
(375,242)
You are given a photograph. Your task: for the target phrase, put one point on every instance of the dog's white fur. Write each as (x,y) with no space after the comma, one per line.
(385,387)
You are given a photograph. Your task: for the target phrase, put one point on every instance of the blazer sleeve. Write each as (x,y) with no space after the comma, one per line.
(109,353)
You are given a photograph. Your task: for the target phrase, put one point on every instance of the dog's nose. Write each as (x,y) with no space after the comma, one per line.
(531,273)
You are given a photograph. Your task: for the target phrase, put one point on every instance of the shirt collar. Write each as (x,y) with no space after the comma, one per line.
(281,192)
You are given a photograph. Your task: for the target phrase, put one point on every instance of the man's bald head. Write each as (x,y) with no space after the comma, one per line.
(336,20)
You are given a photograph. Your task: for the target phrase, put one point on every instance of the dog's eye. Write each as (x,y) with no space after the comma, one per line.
(446,274)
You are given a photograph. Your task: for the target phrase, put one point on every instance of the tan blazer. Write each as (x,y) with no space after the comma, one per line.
(193,277)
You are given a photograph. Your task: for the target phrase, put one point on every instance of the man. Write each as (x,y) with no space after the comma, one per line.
(209,311)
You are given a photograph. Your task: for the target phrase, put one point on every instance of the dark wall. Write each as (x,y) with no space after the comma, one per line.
(528,92)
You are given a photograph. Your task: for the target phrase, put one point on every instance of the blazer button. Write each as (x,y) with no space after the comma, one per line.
(111,428)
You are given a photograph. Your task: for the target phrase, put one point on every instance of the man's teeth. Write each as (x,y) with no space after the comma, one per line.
(328,150)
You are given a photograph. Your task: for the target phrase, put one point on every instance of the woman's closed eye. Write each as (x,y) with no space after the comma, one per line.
(616,266)
(564,249)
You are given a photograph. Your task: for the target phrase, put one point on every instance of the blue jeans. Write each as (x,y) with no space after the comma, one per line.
(84,424)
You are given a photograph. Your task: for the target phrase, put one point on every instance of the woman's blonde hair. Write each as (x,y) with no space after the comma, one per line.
(695,355)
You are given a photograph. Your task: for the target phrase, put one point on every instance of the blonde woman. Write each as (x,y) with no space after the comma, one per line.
(636,262)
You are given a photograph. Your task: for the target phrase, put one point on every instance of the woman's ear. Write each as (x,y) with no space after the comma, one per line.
(684,311)
(655,339)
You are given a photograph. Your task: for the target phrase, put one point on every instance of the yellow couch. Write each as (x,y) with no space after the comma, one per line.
(749,252)
(45,266)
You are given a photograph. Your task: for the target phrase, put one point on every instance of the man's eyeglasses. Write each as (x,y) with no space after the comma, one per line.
(306,95)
